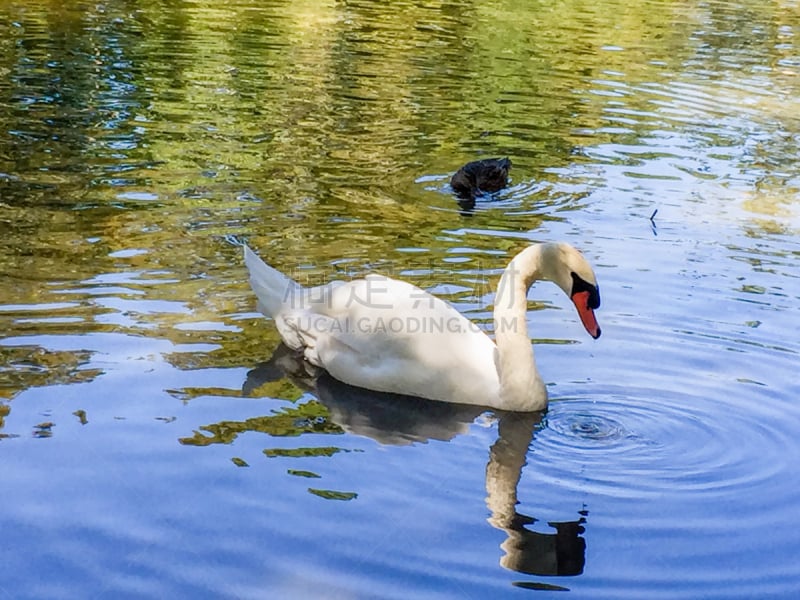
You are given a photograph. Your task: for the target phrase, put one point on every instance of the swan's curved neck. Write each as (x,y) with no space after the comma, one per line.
(521,386)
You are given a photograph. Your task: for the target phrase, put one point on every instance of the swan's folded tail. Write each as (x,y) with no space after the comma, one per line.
(274,290)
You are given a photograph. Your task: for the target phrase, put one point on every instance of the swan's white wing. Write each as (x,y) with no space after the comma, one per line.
(388,335)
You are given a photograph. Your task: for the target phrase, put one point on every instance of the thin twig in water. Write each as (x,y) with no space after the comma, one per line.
(653,222)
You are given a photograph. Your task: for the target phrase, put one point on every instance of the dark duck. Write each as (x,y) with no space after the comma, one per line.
(480,176)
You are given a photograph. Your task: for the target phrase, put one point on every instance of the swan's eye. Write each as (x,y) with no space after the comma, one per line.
(580,285)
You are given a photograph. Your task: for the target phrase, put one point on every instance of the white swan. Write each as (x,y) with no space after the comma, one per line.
(390,336)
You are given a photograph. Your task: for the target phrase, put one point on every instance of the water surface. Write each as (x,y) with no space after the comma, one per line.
(153,442)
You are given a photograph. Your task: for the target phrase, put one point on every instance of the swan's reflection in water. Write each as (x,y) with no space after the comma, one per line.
(527,551)
(392,419)
(387,418)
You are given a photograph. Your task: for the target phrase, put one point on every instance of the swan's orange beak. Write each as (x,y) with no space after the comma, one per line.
(581,301)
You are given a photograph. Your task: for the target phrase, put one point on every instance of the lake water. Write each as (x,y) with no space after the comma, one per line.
(151,445)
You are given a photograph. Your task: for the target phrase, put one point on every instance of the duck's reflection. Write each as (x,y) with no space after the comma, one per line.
(393,419)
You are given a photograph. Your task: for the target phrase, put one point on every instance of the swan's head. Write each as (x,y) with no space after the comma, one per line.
(569,270)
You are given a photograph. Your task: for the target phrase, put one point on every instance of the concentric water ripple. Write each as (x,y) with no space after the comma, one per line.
(652,443)
(587,429)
